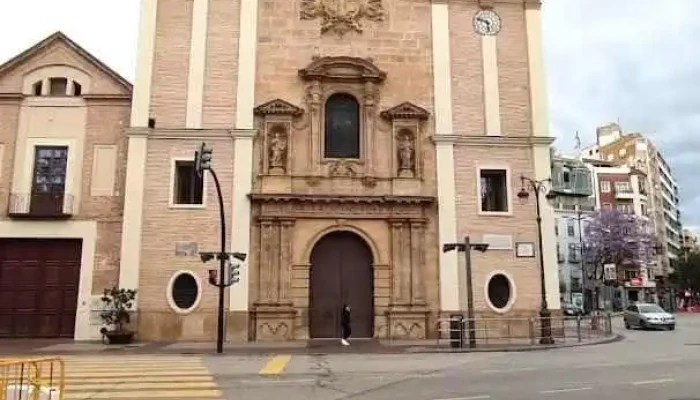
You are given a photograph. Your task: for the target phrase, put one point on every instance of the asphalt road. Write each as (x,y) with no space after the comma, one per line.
(647,365)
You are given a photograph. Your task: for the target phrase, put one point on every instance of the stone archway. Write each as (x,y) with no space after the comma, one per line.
(341,273)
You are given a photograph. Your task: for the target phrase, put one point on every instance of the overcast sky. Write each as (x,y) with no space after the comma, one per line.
(632,60)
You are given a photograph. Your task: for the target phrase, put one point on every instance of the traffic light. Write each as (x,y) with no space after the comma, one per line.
(213,275)
(234,273)
(202,159)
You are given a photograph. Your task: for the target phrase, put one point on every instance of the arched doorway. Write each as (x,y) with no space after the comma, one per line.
(341,273)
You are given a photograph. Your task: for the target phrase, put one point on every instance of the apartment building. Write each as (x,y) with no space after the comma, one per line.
(573,184)
(691,241)
(638,151)
(623,188)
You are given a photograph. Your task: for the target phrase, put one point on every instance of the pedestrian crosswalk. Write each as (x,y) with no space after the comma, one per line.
(122,377)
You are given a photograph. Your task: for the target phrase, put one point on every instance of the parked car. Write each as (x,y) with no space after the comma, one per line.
(571,310)
(648,315)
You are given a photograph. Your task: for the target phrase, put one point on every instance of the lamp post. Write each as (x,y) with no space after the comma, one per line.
(466,248)
(202,162)
(537,187)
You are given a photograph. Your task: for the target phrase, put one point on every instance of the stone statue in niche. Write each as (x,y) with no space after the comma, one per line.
(277,152)
(406,154)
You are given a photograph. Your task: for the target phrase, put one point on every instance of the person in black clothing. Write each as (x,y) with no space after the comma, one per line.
(345,325)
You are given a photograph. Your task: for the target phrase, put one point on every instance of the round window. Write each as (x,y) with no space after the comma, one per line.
(499,291)
(185,291)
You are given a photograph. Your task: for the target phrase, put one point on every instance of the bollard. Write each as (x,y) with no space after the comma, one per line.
(456,331)
(578,328)
(531,325)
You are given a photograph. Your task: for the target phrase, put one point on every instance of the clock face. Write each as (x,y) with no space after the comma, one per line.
(487,22)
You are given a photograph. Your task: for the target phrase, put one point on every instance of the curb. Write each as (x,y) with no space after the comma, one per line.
(613,339)
(408,349)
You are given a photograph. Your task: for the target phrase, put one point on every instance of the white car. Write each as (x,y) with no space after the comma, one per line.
(648,315)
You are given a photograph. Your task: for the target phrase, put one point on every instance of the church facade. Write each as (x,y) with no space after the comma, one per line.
(352,139)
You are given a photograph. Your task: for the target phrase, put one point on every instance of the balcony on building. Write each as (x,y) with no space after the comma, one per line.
(571,178)
(40,205)
(623,191)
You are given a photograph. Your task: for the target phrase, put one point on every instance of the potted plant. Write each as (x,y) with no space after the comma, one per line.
(116,315)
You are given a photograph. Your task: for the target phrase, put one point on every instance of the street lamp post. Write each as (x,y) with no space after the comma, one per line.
(537,187)
(466,248)
(202,161)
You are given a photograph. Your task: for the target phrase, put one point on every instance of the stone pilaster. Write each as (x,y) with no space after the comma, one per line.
(417,262)
(285,260)
(400,269)
(267,285)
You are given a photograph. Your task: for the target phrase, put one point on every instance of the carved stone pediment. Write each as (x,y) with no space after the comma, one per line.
(278,107)
(342,69)
(405,110)
(342,15)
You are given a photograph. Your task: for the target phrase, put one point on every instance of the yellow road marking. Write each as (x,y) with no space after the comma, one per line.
(276,365)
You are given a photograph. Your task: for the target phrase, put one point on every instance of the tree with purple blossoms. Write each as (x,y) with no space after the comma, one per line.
(616,237)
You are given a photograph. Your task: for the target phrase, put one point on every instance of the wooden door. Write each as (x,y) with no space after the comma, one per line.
(39,287)
(341,273)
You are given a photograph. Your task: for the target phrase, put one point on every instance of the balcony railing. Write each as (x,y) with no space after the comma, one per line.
(624,194)
(49,205)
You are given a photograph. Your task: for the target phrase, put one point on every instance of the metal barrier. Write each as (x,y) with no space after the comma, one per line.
(32,379)
(522,331)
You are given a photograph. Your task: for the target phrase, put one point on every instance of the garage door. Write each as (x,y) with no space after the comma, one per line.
(38,287)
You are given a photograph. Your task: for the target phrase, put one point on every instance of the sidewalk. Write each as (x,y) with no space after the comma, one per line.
(359,346)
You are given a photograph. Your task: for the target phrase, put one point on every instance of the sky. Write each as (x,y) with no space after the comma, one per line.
(631,61)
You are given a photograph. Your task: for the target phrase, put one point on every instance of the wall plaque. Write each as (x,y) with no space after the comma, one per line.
(186,249)
(498,242)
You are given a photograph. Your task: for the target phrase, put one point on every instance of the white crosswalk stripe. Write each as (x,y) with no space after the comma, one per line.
(121,377)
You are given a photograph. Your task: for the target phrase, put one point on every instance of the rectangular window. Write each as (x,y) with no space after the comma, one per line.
(560,256)
(50,167)
(605,186)
(188,186)
(58,86)
(624,207)
(556,227)
(623,187)
(631,274)
(570,228)
(494,190)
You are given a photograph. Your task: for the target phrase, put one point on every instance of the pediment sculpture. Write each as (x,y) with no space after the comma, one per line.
(342,69)
(405,110)
(342,15)
(278,107)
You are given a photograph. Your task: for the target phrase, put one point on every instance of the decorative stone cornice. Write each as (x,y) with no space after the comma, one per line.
(278,107)
(405,110)
(197,134)
(342,69)
(507,141)
(319,198)
(11,96)
(102,97)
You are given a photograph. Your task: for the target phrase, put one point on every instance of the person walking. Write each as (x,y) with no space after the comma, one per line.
(345,327)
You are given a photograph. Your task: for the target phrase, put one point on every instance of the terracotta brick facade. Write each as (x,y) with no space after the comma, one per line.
(300,199)
(106,101)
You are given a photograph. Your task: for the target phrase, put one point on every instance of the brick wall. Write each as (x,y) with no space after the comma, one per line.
(399,45)
(171,63)
(107,121)
(221,75)
(164,226)
(469,120)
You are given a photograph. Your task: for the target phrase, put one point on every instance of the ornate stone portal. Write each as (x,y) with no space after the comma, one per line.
(303,192)
(342,15)
(287,228)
